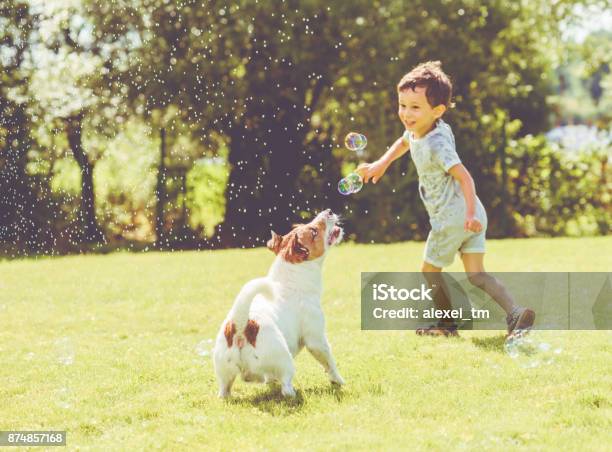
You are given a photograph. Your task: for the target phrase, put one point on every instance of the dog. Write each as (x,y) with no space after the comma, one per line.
(274,317)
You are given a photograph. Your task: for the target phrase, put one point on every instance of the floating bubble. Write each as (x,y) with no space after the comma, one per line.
(493,365)
(355,141)
(65,351)
(352,183)
(344,187)
(64,398)
(530,349)
(356,182)
(204,347)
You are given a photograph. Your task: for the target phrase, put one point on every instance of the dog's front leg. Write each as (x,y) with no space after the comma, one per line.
(321,350)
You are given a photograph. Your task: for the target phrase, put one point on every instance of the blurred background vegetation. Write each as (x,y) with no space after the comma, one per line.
(201,124)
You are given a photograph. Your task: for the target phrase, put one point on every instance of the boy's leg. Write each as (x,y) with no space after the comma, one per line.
(433,276)
(434,279)
(518,317)
(474,267)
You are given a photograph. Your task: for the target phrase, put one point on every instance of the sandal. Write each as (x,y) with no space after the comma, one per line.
(439,330)
(520,319)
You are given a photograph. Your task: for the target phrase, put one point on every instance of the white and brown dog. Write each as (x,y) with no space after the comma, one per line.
(274,317)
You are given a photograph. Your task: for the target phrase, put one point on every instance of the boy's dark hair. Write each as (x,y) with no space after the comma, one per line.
(438,87)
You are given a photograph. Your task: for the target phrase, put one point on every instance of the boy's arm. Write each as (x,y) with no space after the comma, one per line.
(376,169)
(462,175)
(397,149)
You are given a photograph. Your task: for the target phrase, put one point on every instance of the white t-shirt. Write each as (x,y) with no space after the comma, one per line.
(433,155)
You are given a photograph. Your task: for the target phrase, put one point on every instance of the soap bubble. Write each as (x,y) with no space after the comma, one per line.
(204,347)
(63,397)
(356,182)
(344,187)
(352,183)
(355,141)
(530,349)
(65,351)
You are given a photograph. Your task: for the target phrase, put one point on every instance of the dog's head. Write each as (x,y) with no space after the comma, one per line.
(308,241)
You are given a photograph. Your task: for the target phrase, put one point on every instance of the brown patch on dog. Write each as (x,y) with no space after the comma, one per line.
(293,250)
(274,243)
(251,331)
(228,332)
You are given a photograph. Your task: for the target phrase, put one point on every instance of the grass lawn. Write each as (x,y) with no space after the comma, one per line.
(105,348)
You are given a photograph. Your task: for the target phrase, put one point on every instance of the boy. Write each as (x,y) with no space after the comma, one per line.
(458,218)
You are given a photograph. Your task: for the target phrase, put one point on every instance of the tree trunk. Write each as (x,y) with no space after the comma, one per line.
(262,193)
(160,192)
(241,224)
(19,226)
(91,233)
(283,201)
(266,151)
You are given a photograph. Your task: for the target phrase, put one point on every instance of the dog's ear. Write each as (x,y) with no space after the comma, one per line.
(274,243)
(294,251)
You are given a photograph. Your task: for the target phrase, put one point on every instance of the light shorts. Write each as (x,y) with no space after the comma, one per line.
(445,240)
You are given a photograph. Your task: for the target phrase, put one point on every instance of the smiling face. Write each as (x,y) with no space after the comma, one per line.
(308,241)
(415,112)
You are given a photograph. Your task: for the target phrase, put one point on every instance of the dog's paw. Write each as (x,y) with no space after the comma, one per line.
(224,394)
(288,391)
(337,379)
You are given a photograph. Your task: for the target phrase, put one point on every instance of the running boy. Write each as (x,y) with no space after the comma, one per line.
(458,218)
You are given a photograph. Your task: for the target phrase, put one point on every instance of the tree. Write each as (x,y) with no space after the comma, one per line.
(65,65)
(281,84)
(20,226)
(251,89)
(595,52)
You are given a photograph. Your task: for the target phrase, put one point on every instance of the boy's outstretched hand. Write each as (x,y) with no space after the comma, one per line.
(472,224)
(372,171)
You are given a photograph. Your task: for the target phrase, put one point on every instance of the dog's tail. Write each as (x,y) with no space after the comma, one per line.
(240,310)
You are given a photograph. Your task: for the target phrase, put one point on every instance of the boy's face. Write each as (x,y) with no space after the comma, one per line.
(415,112)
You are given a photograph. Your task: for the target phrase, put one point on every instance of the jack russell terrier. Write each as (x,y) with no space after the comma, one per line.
(274,317)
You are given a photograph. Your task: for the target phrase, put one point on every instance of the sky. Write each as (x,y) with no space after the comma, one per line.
(593,19)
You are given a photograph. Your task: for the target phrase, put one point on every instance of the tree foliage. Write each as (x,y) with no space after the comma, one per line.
(270,90)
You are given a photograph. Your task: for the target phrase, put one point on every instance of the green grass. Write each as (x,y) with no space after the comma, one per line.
(136,383)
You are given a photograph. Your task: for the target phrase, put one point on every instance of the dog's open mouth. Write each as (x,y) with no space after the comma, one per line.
(333,236)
